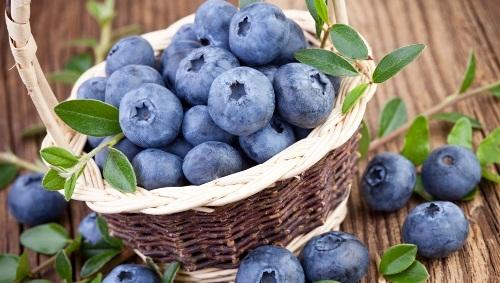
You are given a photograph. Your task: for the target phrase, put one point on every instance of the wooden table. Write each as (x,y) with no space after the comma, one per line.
(450,28)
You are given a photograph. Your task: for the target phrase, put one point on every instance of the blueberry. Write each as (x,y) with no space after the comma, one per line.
(151,116)
(296,41)
(129,78)
(270,264)
(241,101)
(156,168)
(258,33)
(179,147)
(132,50)
(93,142)
(335,256)
(125,146)
(93,88)
(198,127)
(212,22)
(131,273)
(388,182)
(198,70)
(173,55)
(301,133)
(89,231)
(211,160)
(268,70)
(185,32)
(451,172)
(269,141)
(437,228)
(31,204)
(336,81)
(304,96)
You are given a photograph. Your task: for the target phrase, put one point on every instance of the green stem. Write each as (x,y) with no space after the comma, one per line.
(11,158)
(105,40)
(326,34)
(69,250)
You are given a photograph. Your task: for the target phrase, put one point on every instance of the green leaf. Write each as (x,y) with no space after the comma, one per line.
(69,186)
(420,190)
(79,63)
(102,226)
(8,267)
(45,239)
(348,41)
(416,273)
(471,195)
(119,172)
(244,3)
(392,117)
(63,266)
(95,263)
(469,74)
(397,258)
(395,61)
(65,76)
(489,175)
(34,131)
(314,13)
(97,278)
(90,117)
(488,151)
(326,61)
(364,142)
(495,90)
(84,42)
(52,181)
(23,267)
(322,10)
(461,134)
(416,145)
(8,173)
(453,117)
(353,96)
(58,157)
(171,272)
(103,13)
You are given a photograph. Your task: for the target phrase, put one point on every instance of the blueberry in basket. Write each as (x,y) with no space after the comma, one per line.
(173,55)
(198,127)
(94,88)
(132,50)
(125,146)
(156,168)
(212,22)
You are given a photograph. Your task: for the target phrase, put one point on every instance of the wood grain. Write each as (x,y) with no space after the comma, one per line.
(450,28)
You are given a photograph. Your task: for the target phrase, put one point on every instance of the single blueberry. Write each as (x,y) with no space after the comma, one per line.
(301,133)
(173,55)
(451,172)
(156,168)
(89,231)
(270,264)
(198,70)
(125,146)
(93,142)
(268,70)
(129,78)
(185,32)
(269,141)
(304,96)
(388,182)
(132,50)
(258,33)
(438,228)
(151,116)
(198,127)
(93,88)
(335,256)
(179,147)
(211,160)
(131,273)
(296,41)
(31,204)
(336,81)
(212,21)
(241,101)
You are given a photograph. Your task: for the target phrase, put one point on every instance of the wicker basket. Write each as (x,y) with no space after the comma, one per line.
(297,194)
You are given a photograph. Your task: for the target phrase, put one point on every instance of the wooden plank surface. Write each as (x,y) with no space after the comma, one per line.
(450,28)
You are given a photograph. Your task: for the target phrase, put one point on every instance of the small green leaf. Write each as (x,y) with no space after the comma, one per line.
(416,273)
(489,175)
(392,117)
(52,181)
(8,267)
(45,239)
(90,117)
(23,267)
(244,3)
(461,134)
(171,272)
(103,13)
(364,142)
(469,74)
(353,96)
(397,258)
(322,10)
(453,117)
(314,13)
(326,61)
(395,61)
(420,190)
(495,90)
(102,226)
(84,42)
(64,76)
(79,63)
(8,173)
(488,151)
(119,172)
(416,144)
(69,186)
(95,263)
(58,157)
(348,41)
(63,266)
(97,278)
(471,195)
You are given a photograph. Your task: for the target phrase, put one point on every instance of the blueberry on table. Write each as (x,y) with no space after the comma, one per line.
(173,55)
(125,146)
(151,116)
(89,231)
(269,141)
(212,22)
(270,264)
(241,101)
(179,147)
(335,256)
(198,70)
(296,41)
(156,168)
(388,182)
(437,228)
(132,50)
(131,273)
(198,127)
(304,96)
(451,172)
(93,88)
(31,204)
(211,160)
(258,33)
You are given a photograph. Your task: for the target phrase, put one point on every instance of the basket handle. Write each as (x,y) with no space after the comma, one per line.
(23,47)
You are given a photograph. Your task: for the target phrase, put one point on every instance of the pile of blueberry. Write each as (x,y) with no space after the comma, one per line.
(226,94)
